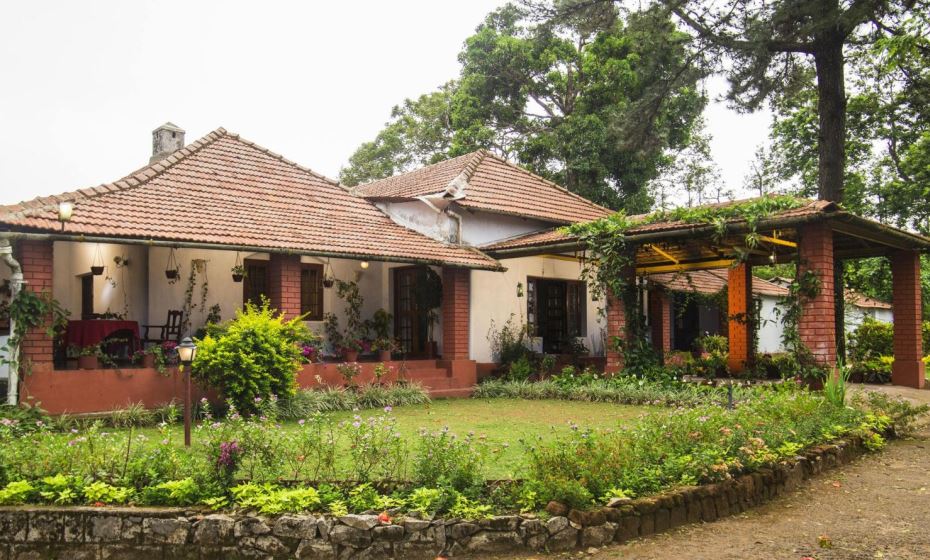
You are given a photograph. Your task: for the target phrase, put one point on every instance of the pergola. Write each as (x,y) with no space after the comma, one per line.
(817,236)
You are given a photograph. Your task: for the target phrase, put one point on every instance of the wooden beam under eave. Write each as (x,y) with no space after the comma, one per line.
(853,230)
(704,265)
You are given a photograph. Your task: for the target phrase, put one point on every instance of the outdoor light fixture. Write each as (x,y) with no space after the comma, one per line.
(187,351)
(65,211)
(772,257)
(364,265)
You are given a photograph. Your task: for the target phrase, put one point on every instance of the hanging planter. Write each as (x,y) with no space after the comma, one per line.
(328,279)
(96,266)
(173,269)
(238,270)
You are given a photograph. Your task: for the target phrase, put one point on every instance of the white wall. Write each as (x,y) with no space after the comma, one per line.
(494,298)
(481,228)
(418,216)
(855,315)
(771,327)
(125,293)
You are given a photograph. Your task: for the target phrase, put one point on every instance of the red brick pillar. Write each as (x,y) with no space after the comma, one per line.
(36,259)
(817,326)
(284,288)
(456,290)
(908,368)
(616,331)
(660,319)
(739,324)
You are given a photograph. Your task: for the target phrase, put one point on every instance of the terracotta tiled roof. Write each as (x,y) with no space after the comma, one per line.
(552,236)
(225,190)
(861,300)
(711,282)
(493,185)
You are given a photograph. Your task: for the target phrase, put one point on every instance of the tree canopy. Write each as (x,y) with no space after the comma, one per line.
(595,100)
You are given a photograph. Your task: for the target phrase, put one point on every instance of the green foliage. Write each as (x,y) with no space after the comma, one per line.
(16,493)
(876,369)
(871,339)
(685,446)
(444,460)
(902,414)
(101,492)
(356,330)
(834,386)
(30,310)
(594,102)
(256,355)
(271,500)
(184,492)
(509,343)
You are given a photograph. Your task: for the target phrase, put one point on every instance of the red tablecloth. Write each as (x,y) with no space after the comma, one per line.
(90,332)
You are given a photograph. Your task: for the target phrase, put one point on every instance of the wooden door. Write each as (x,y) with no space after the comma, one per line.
(409,322)
(87,296)
(553,316)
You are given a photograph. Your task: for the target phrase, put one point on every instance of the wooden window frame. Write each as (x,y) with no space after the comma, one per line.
(246,283)
(532,304)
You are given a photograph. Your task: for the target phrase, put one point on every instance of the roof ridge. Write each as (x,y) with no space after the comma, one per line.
(547,181)
(138,178)
(283,159)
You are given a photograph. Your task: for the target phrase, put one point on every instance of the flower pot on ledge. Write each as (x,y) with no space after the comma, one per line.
(384,355)
(148,361)
(350,355)
(88,362)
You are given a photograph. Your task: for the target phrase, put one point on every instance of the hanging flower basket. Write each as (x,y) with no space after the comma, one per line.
(238,270)
(96,266)
(173,269)
(328,279)
(96,270)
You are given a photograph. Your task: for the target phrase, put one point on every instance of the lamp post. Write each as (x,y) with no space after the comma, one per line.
(187,350)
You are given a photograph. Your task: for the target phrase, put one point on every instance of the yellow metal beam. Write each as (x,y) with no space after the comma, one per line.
(778,241)
(706,265)
(663,253)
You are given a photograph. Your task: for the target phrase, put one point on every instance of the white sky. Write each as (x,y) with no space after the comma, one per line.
(82,84)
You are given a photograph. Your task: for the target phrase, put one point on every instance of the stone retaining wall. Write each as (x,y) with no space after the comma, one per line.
(159,533)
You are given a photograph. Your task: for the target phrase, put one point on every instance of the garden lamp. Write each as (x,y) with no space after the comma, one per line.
(363,264)
(65,210)
(187,350)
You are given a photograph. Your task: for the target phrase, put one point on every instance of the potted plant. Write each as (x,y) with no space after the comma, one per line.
(380,325)
(89,356)
(172,269)
(350,349)
(238,273)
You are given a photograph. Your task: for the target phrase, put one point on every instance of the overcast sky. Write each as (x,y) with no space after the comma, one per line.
(82,84)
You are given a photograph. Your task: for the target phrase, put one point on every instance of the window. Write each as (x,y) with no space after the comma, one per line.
(255,284)
(555,310)
(575,308)
(311,291)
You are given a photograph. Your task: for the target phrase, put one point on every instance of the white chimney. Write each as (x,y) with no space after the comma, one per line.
(166,139)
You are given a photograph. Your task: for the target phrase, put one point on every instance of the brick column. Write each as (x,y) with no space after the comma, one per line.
(739,325)
(456,289)
(616,322)
(660,319)
(908,368)
(36,259)
(817,326)
(284,288)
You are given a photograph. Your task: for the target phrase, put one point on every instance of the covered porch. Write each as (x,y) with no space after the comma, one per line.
(818,237)
(152,294)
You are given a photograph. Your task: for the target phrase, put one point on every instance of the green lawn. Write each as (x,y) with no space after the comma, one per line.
(504,422)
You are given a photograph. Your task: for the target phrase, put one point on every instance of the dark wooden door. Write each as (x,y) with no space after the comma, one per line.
(87,296)
(409,322)
(553,323)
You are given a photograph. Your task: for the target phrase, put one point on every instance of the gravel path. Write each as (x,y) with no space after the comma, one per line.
(877,507)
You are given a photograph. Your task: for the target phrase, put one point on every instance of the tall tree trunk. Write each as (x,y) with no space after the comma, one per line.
(831,107)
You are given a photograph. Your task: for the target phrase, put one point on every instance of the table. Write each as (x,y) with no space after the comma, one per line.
(93,331)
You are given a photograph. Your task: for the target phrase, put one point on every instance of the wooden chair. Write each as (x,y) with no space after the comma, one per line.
(171,330)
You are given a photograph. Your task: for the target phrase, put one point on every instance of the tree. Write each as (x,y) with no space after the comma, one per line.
(593,101)
(771,44)
(419,133)
(692,178)
(763,177)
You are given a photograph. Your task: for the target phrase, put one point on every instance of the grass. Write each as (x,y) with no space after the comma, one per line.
(504,422)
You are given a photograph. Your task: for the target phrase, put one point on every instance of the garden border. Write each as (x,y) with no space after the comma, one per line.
(168,533)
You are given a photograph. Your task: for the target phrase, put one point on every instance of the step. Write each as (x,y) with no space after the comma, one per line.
(419,374)
(438,383)
(460,393)
(417,364)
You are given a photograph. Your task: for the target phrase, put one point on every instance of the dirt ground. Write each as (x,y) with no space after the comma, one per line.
(876,507)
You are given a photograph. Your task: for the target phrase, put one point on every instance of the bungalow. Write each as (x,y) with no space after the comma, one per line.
(209,225)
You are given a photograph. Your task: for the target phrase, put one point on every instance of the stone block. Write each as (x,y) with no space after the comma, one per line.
(363,522)
(556,524)
(266,544)
(662,520)
(45,527)
(128,552)
(166,531)
(345,535)
(628,528)
(647,524)
(104,528)
(412,525)
(708,510)
(131,530)
(315,549)
(295,526)
(566,539)
(501,523)
(72,526)
(598,535)
(13,526)
(250,527)
(461,531)
(216,530)
(389,533)
(494,541)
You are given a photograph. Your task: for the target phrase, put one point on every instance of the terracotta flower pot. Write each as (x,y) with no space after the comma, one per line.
(384,355)
(148,361)
(88,362)
(350,355)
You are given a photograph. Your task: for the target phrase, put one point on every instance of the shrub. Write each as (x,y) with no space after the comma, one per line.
(272,500)
(444,460)
(520,370)
(509,342)
(871,339)
(874,369)
(256,355)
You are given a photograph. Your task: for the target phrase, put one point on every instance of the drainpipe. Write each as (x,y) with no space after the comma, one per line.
(16,284)
(458,225)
